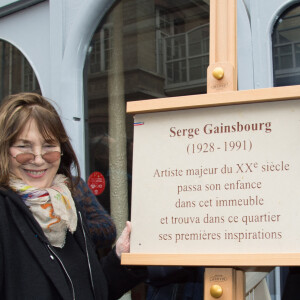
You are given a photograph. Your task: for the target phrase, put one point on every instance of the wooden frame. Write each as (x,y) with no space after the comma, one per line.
(207,100)
(221,90)
(214,99)
(213,260)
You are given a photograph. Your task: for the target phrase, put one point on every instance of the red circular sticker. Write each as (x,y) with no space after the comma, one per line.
(96,183)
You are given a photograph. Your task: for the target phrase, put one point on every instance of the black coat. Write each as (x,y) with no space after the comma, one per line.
(29,270)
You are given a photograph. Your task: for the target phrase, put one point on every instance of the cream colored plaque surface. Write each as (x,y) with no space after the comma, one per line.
(217,180)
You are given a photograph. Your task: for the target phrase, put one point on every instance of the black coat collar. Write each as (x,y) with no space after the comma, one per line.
(36,241)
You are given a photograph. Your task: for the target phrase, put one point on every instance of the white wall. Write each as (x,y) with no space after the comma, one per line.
(256,19)
(77,39)
(244,48)
(263,16)
(30,39)
(54,36)
(6,2)
(56,43)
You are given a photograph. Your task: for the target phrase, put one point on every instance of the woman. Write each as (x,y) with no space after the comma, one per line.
(45,249)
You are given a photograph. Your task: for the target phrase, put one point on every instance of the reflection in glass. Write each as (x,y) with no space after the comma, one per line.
(286,50)
(17,74)
(164,47)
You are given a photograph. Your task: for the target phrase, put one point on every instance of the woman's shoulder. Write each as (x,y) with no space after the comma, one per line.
(81,189)
(9,198)
(6,193)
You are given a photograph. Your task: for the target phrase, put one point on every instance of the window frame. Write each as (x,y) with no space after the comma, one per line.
(293,70)
(17,6)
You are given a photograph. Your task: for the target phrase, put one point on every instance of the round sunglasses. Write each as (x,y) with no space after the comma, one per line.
(25,157)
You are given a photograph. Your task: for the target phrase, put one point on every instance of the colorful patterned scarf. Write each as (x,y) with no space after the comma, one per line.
(53,207)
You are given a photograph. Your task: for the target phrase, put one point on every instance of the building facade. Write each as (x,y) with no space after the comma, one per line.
(93,56)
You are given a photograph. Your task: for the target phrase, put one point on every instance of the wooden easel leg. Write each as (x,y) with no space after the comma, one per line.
(240,285)
(224,284)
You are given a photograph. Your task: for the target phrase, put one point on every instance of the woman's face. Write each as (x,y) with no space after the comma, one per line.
(37,172)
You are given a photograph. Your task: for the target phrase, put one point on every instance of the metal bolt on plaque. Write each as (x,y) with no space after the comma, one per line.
(216,291)
(218,73)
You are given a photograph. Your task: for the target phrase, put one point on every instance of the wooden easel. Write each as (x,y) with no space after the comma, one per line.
(223,283)
(223,279)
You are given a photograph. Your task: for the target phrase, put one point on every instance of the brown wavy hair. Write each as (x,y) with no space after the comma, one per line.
(15,111)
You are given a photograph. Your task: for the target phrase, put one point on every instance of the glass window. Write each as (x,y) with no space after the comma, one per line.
(143,49)
(16,73)
(286,48)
